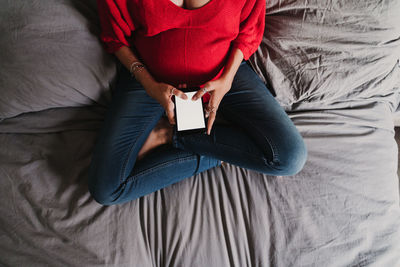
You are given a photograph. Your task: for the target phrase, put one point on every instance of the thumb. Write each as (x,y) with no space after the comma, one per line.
(170,115)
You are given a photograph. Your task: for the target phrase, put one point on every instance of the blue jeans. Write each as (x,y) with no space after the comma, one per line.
(259,136)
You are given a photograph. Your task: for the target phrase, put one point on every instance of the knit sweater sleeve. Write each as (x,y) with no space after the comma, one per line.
(116,24)
(251,30)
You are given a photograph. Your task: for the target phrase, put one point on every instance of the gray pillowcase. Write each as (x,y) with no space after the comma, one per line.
(316,54)
(50,56)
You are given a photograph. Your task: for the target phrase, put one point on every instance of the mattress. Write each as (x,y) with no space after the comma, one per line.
(342,209)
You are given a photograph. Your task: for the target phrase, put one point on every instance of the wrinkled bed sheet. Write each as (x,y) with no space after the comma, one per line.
(342,209)
(323,54)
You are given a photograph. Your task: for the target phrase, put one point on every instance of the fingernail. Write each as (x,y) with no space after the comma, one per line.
(194,98)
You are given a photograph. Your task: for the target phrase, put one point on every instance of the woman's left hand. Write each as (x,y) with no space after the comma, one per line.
(217,89)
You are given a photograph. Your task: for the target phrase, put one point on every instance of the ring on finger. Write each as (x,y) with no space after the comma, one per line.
(205,90)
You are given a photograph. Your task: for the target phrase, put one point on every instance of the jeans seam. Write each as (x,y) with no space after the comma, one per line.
(243,152)
(121,180)
(133,178)
(275,154)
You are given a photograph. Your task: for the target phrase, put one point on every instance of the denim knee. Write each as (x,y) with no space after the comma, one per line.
(99,193)
(98,196)
(291,159)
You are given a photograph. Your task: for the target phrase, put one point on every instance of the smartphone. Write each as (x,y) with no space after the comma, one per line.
(189,114)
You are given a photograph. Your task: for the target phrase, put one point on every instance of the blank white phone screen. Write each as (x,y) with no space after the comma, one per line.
(189,113)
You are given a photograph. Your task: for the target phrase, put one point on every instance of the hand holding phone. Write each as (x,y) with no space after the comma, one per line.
(189,114)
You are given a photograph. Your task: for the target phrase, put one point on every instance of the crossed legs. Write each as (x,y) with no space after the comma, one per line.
(260,136)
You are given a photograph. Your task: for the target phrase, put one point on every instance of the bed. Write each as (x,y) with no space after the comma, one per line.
(333,65)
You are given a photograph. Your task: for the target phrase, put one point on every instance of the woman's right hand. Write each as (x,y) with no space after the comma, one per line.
(163,93)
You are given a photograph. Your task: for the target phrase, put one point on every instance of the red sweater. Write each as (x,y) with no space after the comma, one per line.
(179,45)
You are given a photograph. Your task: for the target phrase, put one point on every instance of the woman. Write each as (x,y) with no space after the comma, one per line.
(163,46)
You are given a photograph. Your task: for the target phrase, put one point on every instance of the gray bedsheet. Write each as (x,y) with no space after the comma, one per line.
(342,209)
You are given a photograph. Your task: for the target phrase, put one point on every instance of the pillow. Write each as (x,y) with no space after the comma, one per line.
(51,56)
(318,53)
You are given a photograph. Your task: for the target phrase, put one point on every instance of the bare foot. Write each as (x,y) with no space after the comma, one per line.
(161,134)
